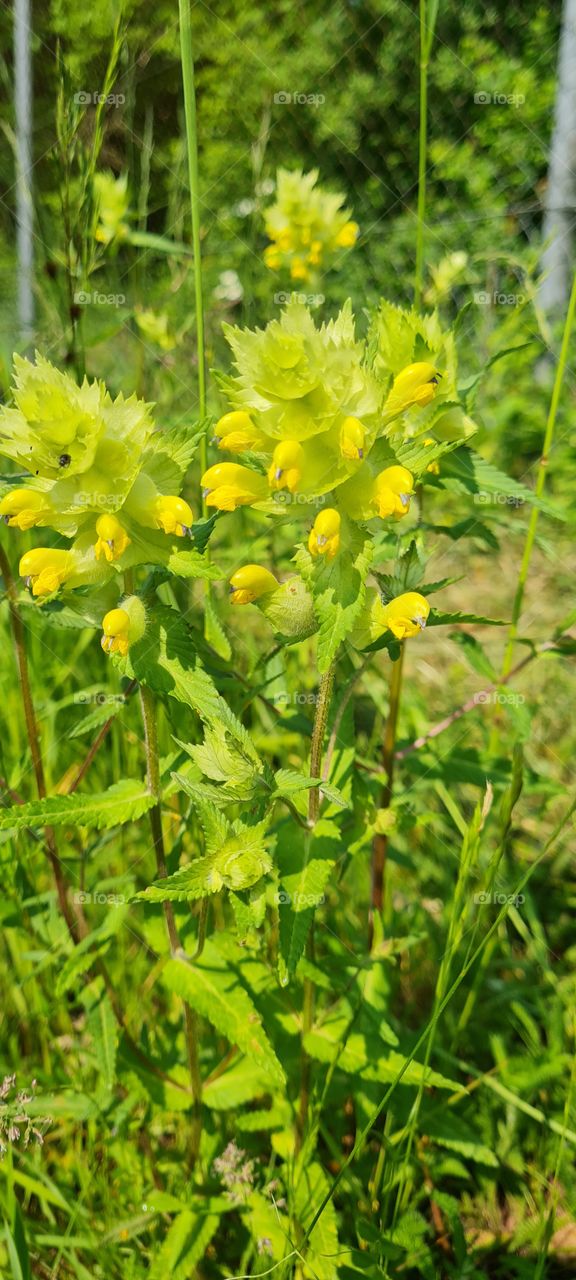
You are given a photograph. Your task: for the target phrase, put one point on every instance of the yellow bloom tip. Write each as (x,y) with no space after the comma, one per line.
(352,439)
(250,582)
(285,471)
(406,615)
(112,539)
(173,515)
(45,569)
(324,537)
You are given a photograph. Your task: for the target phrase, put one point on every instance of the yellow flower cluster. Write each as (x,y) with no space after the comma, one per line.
(306,226)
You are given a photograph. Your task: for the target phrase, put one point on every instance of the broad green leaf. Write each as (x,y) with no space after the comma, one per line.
(184,1245)
(102,1027)
(212,986)
(361,1054)
(123,802)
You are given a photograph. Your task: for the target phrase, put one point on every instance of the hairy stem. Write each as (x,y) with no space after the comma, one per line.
(190,1024)
(318,734)
(380,843)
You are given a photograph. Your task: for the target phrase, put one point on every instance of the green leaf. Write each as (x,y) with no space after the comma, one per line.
(359,1053)
(438,619)
(470,473)
(240,861)
(212,986)
(338,587)
(324,1253)
(306,861)
(449,1131)
(184,1245)
(102,1027)
(123,802)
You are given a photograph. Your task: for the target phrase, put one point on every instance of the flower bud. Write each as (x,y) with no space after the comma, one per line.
(324,537)
(173,515)
(112,538)
(123,626)
(227,485)
(352,438)
(250,583)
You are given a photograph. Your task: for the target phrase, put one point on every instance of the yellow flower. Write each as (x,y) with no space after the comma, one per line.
(272,258)
(416,384)
(315,255)
(123,626)
(45,569)
(285,471)
(406,615)
(324,537)
(298,270)
(284,239)
(352,438)
(250,582)
(23,508)
(237,432)
(392,490)
(173,515)
(434,467)
(348,235)
(116,628)
(112,538)
(228,485)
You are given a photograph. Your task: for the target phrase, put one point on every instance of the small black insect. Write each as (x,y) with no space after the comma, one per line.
(64,460)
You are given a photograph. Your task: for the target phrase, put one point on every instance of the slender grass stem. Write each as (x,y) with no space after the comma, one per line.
(318,734)
(33,736)
(540,481)
(422,154)
(190,1024)
(187,60)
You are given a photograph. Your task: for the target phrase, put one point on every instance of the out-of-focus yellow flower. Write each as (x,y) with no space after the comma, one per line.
(250,583)
(123,626)
(272,257)
(227,485)
(324,537)
(173,515)
(406,615)
(24,508)
(284,239)
(315,255)
(286,468)
(392,491)
(112,538)
(352,439)
(236,432)
(348,236)
(45,569)
(298,270)
(434,467)
(414,385)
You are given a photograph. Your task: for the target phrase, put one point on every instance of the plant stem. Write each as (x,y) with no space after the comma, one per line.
(34,740)
(190,1026)
(422,155)
(540,480)
(187,60)
(318,734)
(380,844)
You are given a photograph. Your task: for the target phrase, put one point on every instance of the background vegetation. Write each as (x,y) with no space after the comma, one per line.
(473,1174)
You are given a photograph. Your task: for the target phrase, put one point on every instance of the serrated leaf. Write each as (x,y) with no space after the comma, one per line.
(123,802)
(472,473)
(240,862)
(184,1245)
(358,1053)
(323,1250)
(212,986)
(338,587)
(438,619)
(214,632)
(449,1131)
